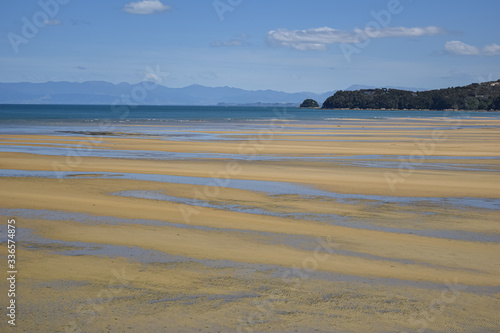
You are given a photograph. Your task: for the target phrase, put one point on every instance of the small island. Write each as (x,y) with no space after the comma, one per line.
(309,104)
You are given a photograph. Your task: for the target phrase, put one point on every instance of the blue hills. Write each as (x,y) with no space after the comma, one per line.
(143,93)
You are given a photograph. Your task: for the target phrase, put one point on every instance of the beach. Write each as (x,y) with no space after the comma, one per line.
(276,225)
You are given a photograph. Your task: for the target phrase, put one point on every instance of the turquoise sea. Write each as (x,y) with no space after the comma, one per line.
(16,114)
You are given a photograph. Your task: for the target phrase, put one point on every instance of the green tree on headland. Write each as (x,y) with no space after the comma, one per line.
(477,96)
(309,103)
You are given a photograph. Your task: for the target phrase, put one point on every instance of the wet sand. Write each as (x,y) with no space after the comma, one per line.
(242,244)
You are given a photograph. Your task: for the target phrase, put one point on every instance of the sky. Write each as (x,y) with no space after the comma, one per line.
(285,45)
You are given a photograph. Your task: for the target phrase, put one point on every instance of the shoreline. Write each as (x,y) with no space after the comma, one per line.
(240,106)
(445,110)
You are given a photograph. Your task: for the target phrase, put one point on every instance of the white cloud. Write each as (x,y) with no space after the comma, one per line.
(319,38)
(403,32)
(492,49)
(52,22)
(241,40)
(459,48)
(145,7)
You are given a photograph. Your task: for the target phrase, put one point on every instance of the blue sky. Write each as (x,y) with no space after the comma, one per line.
(287,45)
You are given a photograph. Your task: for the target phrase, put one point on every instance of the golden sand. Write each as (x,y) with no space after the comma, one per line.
(263,266)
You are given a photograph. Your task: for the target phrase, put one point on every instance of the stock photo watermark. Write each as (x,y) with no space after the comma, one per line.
(11,272)
(225,6)
(372,29)
(31,26)
(120,107)
(417,157)
(436,307)
(222,178)
(297,276)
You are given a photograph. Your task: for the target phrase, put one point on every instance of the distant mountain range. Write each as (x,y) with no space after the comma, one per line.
(361,87)
(99,92)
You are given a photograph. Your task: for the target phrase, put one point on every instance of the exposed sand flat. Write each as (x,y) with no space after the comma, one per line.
(343,245)
(183,297)
(217,246)
(445,253)
(343,179)
(457,141)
